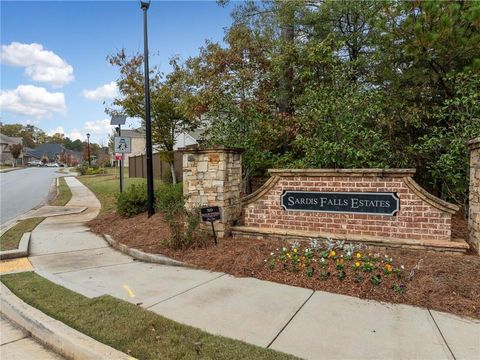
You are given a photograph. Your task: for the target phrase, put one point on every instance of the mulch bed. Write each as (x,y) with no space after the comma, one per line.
(442,282)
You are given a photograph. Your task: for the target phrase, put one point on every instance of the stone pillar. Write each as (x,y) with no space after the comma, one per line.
(474,197)
(213,177)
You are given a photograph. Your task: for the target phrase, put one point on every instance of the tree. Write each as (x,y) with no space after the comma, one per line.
(167,114)
(15,150)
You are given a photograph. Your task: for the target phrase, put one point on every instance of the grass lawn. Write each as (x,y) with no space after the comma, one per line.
(127,327)
(11,238)
(105,187)
(64,194)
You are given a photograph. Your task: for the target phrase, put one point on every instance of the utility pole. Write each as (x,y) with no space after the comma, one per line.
(88,148)
(148,125)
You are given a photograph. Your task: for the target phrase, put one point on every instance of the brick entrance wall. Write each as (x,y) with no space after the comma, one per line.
(422,216)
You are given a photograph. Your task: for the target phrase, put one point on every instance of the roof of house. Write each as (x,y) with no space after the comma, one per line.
(135,133)
(4,139)
(51,150)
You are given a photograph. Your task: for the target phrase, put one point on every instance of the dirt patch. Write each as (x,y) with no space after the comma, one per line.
(442,282)
(459,226)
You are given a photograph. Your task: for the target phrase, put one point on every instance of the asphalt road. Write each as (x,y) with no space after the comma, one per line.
(22,190)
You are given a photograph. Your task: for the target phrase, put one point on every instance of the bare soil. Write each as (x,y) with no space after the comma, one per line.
(442,282)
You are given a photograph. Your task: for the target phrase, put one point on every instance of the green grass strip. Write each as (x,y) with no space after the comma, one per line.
(64,194)
(11,238)
(127,327)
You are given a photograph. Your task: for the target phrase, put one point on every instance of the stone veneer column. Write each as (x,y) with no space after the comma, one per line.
(213,177)
(474,198)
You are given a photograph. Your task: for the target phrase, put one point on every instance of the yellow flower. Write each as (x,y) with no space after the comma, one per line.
(295,251)
(388,267)
(288,255)
(340,261)
(357,264)
(332,254)
(359,255)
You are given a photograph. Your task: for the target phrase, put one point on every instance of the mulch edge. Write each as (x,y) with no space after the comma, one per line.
(142,256)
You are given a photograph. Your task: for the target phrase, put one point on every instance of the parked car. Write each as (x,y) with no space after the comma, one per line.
(52,165)
(35,163)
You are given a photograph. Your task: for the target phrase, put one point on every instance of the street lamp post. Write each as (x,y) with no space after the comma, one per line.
(148,125)
(88,148)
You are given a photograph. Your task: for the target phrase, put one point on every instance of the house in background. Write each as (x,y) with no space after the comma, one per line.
(52,153)
(6,157)
(139,143)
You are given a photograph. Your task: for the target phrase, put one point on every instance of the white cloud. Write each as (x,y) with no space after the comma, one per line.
(57,130)
(31,100)
(40,65)
(104,92)
(73,135)
(99,127)
(76,135)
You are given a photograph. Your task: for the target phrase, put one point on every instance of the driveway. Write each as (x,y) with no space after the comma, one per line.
(24,189)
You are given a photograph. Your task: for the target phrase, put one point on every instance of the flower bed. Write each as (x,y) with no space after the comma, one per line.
(439,281)
(323,261)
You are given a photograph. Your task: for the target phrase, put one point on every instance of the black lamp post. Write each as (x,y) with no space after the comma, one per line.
(144,5)
(88,148)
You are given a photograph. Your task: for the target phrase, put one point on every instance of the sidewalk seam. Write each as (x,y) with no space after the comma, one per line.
(183,292)
(11,342)
(66,252)
(90,268)
(441,334)
(290,320)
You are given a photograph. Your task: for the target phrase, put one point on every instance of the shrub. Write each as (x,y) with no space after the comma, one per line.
(184,227)
(132,201)
(83,169)
(169,196)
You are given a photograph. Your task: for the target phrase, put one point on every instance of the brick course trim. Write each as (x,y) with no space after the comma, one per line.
(422,216)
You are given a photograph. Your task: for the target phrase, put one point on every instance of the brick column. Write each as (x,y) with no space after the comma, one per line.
(474,197)
(213,177)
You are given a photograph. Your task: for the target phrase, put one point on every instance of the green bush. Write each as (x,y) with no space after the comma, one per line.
(84,169)
(184,227)
(132,201)
(169,196)
(96,171)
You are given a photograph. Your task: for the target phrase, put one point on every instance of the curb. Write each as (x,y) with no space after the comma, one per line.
(64,340)
(22,250)
(142,256)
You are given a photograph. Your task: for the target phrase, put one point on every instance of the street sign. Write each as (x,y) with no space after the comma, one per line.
(123,144)
(211,214)
(118,156)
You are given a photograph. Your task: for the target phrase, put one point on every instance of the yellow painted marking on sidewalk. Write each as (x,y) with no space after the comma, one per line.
(15,265)
(129,291)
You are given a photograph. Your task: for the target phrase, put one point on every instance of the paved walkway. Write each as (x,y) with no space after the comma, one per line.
(313,325)
(16,344)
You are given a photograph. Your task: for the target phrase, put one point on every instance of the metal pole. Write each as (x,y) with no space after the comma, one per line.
(150,211)
(88,150)
(121,161)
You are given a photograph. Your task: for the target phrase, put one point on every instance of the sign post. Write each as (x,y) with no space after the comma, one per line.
(123,145)
(211,214)
(119,120)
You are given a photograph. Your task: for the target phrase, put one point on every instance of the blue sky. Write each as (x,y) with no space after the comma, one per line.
(54,72)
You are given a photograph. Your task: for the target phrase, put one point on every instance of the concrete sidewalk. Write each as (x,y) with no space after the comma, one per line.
(313,325)
(16,344)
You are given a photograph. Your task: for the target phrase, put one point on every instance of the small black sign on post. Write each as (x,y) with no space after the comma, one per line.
(211,214)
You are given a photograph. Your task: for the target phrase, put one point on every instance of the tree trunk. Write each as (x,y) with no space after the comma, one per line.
(172,170)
